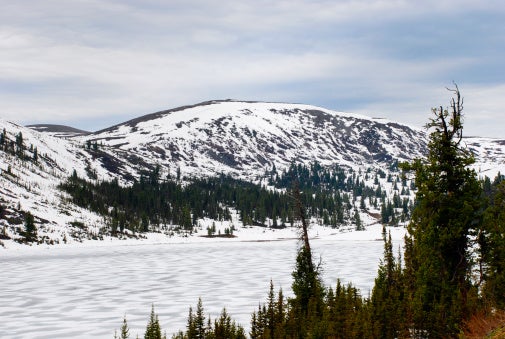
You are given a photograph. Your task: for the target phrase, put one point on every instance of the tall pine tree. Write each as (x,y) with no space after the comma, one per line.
(438,251)
(307,304)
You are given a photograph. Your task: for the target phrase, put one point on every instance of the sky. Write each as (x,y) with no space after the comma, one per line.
(94,63)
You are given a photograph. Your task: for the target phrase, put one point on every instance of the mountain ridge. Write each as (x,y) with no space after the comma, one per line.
(247,140)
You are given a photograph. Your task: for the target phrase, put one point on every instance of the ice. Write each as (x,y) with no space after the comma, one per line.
(84,292)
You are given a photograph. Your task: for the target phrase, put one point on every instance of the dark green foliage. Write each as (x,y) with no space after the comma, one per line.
(153,329)
(346,314)
(447,210)
(270,320)
(387,301)
(30,231)
(160,203)
(492,244)
(226,328)
(125,331)
(196,322)
(19,144)
(222,328)
(150,202)
(35,156)
(342,313)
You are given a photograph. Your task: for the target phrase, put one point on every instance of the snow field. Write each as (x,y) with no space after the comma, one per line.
(83,292)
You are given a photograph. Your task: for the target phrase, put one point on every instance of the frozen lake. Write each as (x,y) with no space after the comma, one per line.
(85,292)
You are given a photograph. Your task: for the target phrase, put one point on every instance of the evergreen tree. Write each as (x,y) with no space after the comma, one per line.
(357,221)
(35,157)
(125,331)
(196,322)
(492,243)
(447,206)
(307,304)
(19,144)
(199,321)
(153,330)
(386,303)
(30,232)
(225,328)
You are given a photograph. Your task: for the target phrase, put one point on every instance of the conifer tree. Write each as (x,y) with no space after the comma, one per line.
(386,303)
(125,331)
(35,157)
(492,243)
(19,144)
(438,248)
(307,304)
(153,330)
(199,320)
(30,232)
(225,328)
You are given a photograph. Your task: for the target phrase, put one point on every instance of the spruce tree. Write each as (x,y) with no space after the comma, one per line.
(386,303)
(19,144)
(226,328)
(199,320)
(30,232)
(125,331)
(307,304)
(153,330)
(492,244)
(446,212)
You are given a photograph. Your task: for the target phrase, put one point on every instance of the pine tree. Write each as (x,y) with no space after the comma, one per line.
(225,328)
(35,155)
(30,232)
(153,330)
(19,144)
(125,331)
(190,327)
(307,304)
(199,320)
(386,303)
(447,206)
(492,244)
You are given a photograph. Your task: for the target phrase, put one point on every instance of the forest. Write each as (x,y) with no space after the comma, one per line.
(330,195)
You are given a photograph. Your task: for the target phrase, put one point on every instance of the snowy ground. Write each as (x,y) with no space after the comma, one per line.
(84,291)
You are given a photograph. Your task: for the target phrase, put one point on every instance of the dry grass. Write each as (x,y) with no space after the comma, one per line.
(489,325)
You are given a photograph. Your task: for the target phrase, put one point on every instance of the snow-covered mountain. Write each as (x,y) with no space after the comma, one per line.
(243,139)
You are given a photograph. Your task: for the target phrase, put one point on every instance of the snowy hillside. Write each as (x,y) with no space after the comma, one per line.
(28,182)
(244,139)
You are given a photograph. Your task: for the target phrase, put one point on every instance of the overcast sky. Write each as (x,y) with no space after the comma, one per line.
(90,64)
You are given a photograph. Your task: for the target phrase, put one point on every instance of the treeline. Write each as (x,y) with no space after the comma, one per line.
(151,203)
(452,270)
(333,195)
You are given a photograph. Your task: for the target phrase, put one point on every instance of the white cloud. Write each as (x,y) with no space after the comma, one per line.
(83,59)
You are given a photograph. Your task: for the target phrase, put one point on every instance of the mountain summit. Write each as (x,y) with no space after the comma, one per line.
(244,138)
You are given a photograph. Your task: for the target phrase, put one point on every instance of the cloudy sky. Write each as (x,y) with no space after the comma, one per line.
(93,63)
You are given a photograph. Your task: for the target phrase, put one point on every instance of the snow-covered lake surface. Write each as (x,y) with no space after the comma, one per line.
(85,292)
